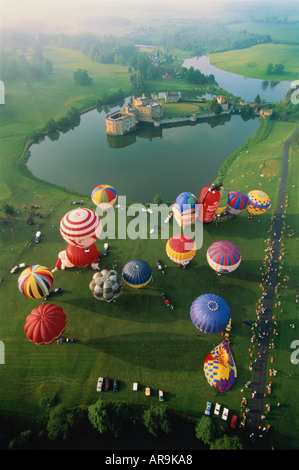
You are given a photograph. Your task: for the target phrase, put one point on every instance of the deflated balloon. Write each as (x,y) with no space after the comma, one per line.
(220,368)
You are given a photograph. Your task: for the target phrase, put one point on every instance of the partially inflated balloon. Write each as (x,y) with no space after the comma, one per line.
(80,227)
(209,200)
(220,368)
(45,324)
(35,282)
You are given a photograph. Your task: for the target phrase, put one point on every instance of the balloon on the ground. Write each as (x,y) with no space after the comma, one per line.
(220,368)
(81,257)
(258,202)
(185,209)
(222,201)
(210,313)
(35,282)
(181,249)
(62,261)
(80,227)
(104,196)
(223,257)
(209,200)
(45,324)
(236,202)
(106,285)
(137,273)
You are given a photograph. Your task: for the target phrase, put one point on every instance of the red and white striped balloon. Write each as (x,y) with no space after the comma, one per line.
(80,227)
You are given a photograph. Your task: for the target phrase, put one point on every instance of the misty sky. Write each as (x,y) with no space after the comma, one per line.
(72,16)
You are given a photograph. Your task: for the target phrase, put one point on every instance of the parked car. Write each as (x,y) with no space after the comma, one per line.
(115,385)
(106,246)
(107,384)
(135,386)
(233,422)
(161,395)
(37,236)
(217,409)
(100,384)
(225,414)
(147,391)
(208,408)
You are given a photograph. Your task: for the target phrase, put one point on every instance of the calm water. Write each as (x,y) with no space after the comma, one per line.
(246,88)
(164,161)
(150,161)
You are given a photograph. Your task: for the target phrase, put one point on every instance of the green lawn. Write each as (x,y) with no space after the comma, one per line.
(252,62)
(136,338)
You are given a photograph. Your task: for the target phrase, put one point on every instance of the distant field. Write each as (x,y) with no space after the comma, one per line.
(252,62)
(288,32)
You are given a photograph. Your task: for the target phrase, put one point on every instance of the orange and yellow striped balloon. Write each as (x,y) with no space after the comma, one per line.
(35,282)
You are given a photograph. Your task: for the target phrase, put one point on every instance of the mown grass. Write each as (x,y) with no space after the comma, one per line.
(136,338)
(252,62)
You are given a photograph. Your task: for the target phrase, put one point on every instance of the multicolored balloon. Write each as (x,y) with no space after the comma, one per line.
(258,202)
(81,257)
(80,227)
(103,196)
(106,285)
(181,249)
(35,282)
(137,273)
(45,324)
(236,202)
(186,201)
(223,257)
(210,313)
(220,368)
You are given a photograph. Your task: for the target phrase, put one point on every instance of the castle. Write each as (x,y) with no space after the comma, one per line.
(142,109)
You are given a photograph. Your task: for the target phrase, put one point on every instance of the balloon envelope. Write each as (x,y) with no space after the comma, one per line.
(45,324)
(103,196)
(223,257)
(210,313)
(106,285)
(181,249)
(186,201)
(220,368)
(82,256)
(80,227)
(137,273)
(258,202)
(35,282)
(209,200)
(236,202)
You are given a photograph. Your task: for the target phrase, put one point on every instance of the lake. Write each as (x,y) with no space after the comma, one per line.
(164,160)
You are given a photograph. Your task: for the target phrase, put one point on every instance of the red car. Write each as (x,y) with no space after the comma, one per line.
(233,422)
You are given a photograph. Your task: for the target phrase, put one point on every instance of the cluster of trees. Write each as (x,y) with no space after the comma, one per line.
(63,124)
(16,66)
(81,77)
(196,76)
(276,69)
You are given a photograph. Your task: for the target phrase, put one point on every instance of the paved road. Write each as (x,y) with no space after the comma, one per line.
(261,377)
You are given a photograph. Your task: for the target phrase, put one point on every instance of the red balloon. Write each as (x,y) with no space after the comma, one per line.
(45,324)
(209,200)
(82,256)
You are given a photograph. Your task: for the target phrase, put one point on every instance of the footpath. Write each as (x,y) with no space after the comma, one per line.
(255,423)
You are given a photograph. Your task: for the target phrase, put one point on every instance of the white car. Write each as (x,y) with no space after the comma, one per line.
(217,409)
(100,384)
(208,408)
(225,414)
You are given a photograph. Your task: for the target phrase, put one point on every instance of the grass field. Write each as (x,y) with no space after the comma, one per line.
(252,62)
(136,338)
(277,31)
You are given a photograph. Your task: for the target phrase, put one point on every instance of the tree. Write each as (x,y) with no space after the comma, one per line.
(257,99)
(156,419)
(63,424)
(214,106)
(81,77)
(278,69)
(269,68)
(227,443)
(157,200)
(108,416)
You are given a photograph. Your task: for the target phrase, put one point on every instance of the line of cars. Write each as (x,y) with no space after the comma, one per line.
(224,415)
(107,384)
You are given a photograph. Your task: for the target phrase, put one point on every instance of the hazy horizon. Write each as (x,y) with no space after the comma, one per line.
(74,16)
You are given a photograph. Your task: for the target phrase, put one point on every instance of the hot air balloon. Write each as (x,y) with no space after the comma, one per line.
(220,368)
(209,200)
(80,227)
(45,324)
(35,282)
(106,285)
(223,257)
(82,256)
(210,313)
(258,202)
(185,209)
(222,201)
(236,202)
(181,249)
(103,196)
(137,273)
